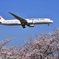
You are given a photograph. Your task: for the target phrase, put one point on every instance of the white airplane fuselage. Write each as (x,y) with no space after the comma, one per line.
(23,22)
(30,21)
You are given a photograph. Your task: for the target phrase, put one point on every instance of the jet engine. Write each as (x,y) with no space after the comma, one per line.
(31,25)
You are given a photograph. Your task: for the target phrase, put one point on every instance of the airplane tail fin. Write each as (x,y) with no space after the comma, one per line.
(1,18)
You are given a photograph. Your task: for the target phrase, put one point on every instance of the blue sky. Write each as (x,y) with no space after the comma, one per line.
(28,9)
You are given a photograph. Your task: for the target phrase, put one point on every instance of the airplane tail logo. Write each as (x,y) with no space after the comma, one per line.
(1,18)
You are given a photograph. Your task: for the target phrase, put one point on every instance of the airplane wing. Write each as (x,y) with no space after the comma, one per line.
(23,21)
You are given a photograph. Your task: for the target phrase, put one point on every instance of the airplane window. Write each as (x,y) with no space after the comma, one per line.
(42,18)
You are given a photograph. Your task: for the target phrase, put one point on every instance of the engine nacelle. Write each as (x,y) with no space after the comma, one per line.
(31,25)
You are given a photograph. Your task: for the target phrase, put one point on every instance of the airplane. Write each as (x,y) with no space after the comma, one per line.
(23,22)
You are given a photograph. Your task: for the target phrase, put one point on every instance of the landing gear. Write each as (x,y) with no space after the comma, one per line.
(23,26)
(48,24)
